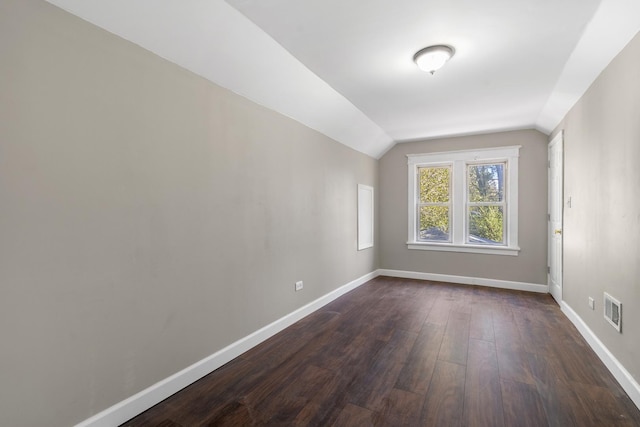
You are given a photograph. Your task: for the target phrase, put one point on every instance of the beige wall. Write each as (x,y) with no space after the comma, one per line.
(148,218)
(529,266)
(602,226)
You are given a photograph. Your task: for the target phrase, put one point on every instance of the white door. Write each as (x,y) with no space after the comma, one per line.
(555,217)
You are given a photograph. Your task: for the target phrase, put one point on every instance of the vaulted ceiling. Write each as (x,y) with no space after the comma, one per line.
(345,67)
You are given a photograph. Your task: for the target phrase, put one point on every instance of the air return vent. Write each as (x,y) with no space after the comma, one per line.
(612,311)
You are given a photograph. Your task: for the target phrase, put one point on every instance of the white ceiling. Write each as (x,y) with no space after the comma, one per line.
(344,67)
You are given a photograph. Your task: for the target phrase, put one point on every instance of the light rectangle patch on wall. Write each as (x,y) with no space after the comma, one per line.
(365,216)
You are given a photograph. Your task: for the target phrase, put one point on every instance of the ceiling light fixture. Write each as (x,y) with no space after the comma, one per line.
(432,58)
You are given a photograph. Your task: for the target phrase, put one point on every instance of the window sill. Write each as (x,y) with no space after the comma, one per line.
(477,249)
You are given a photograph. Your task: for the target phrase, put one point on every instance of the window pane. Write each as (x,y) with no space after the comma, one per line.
(434,223)
(486,182)
(434,184)
(486,225)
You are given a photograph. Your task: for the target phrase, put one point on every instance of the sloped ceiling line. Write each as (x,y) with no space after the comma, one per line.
(345,69)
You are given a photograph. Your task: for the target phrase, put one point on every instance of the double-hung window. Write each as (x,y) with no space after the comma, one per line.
(464,201)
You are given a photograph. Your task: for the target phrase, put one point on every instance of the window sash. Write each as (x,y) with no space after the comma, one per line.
(419,228)
(419,204)
(469,204)
(503,232)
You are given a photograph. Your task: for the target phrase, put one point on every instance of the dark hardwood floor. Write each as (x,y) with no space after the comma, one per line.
(399,352)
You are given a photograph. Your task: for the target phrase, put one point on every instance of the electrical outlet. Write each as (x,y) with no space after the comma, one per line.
(299,285)
(592,303)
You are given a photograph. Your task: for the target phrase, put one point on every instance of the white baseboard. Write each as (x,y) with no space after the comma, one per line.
(494,283)
(628,383)
(140,402)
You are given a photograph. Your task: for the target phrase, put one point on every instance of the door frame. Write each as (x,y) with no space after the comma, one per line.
(555,228)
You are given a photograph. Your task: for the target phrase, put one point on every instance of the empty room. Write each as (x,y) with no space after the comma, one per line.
(319,213)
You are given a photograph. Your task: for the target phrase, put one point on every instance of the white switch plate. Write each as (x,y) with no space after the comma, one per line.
(299,285)
(592,304)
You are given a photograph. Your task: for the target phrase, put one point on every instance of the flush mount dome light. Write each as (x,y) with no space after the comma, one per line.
(432,58)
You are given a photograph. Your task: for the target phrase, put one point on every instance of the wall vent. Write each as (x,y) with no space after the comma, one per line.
(612,311)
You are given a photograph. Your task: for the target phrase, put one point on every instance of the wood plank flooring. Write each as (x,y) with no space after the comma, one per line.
(400,352)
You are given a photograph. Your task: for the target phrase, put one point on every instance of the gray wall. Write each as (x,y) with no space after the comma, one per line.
(602,227)
(148,218)
(529,266)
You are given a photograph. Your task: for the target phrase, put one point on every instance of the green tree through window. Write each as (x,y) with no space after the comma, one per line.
(434,203)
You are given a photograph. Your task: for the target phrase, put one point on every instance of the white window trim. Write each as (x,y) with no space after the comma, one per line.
(459,160)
